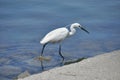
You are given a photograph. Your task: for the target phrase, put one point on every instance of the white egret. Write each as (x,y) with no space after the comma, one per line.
(58,35)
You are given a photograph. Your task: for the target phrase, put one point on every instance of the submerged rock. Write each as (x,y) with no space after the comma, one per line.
(4,61)
(8,70)
(23,75)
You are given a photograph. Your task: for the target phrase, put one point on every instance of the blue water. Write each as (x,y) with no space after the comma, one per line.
(23,23)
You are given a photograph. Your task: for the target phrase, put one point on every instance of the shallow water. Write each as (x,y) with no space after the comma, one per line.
(23,23)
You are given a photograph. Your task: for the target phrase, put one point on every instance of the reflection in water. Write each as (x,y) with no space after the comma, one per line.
(42,66)
(61,63)
(42,59)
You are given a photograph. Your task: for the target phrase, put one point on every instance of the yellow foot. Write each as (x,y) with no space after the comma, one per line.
(44,58)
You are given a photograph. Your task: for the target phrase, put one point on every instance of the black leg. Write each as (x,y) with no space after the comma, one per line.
(43,49)
(60,53)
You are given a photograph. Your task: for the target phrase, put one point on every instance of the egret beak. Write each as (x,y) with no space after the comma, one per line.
(84,29)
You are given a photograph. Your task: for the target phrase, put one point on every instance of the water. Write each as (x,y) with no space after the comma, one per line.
(23,23)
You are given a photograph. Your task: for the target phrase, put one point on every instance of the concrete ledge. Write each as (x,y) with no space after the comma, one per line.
(101,67)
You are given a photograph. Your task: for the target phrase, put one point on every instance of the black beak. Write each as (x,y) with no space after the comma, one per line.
(84,29)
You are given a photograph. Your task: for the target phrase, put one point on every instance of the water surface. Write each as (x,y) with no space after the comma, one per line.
(23,23)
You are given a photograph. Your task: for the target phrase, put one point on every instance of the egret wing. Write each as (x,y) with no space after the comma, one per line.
(56,35)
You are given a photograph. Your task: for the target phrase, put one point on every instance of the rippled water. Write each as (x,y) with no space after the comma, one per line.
(23,23)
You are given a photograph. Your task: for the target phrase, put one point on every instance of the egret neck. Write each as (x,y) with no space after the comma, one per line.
(72,30)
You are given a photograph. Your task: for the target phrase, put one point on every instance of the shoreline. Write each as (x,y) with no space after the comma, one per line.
(100,67)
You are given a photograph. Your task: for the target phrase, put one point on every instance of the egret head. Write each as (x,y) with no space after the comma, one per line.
(77,25)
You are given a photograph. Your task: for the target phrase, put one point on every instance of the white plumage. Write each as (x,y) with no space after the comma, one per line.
(55,36)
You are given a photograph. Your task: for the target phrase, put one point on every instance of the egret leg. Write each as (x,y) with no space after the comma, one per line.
(43,49)
(61,53)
